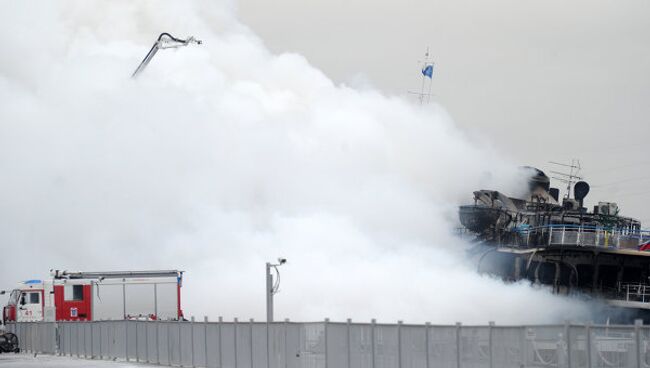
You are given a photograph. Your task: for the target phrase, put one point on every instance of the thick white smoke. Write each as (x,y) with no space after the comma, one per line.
(221,157)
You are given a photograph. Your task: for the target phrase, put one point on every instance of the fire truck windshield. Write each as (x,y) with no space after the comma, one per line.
(13,297)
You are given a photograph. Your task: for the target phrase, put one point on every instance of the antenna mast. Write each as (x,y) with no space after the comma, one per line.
(427,72)
(571,177)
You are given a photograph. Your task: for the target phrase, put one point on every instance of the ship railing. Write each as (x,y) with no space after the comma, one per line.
(585,236)
(634,292)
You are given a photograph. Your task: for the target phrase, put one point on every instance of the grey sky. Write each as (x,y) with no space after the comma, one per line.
(545,80)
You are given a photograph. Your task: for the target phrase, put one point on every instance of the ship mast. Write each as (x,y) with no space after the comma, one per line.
(568,178)
(427,72)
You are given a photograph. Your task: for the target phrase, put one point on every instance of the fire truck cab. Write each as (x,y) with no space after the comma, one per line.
(26,303)
(93,296)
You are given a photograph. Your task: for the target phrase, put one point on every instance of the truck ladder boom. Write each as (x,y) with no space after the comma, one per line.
(114,274)
(164,41)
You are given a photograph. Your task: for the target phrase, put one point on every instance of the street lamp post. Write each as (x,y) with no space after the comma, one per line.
(271,286)
(269,293)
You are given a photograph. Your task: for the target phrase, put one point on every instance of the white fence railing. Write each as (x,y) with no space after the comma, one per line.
(340,345)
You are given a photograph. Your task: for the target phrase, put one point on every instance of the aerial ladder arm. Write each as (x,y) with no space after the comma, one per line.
(164,41)
(56,274)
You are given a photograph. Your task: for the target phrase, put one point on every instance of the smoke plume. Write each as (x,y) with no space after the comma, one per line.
(223,156)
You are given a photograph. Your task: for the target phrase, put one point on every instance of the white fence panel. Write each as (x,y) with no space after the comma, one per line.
(340,345)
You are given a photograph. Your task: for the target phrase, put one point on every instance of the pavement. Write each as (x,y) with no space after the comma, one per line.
(24,360)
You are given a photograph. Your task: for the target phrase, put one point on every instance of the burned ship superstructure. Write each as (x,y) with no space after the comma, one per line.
(561,244)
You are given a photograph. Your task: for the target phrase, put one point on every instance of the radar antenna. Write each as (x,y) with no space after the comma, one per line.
(568,178)
(164,41)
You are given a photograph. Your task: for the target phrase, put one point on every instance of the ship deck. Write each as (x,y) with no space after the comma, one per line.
(572,248)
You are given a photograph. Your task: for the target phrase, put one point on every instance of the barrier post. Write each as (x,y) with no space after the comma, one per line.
(168,327)
(157,328)
(250,341)
(180,348)
(427,327)
(235,341)
(325,343)
(399,344)
(491,343)
(92,339)
(458,347)
(205,339)
(126,339)
(348,342)
(101,355)
(588,343)
(268,345)
(373,322)
(286,343)
(637,339)
(84,323)
(220,342)
(137,350)
(113,346)
(567,337)
(28,336)
(147,323)
(57,330)
(192,340)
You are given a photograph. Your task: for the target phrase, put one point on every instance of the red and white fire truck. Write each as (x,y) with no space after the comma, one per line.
(94,296)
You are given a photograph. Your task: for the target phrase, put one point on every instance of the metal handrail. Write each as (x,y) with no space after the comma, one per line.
(635,292)
(579,235)
(584,227)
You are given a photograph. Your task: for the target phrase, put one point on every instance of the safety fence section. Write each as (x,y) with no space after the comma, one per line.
(328,344)
(38,337)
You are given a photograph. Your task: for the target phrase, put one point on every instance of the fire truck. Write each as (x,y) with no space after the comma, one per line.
(94,296)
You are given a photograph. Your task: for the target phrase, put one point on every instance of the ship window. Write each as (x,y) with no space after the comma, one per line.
(74,292)
(34,298)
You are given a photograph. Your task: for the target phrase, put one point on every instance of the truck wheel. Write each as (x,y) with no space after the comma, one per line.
(9,342)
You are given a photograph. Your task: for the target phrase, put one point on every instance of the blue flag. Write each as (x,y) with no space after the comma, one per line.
(427,71)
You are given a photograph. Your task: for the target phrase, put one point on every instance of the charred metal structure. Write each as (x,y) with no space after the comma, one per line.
(561,244)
